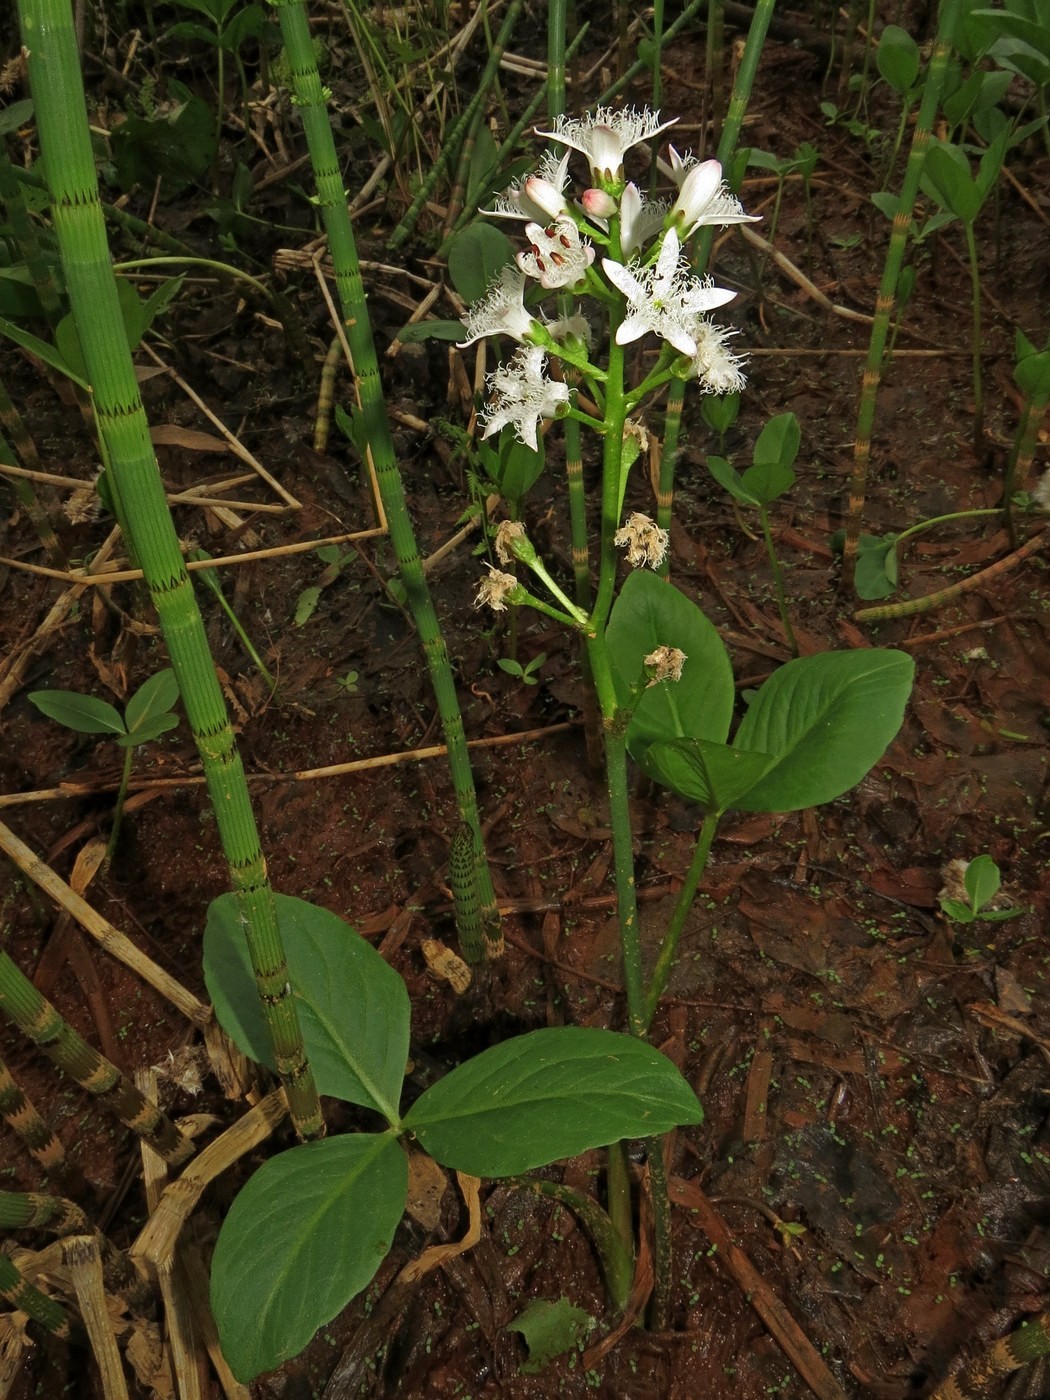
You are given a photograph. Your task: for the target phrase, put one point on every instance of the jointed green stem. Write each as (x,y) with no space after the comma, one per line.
(911,606)
(54,73)
(24,1119)
(38,1211)
(37,1018)
(886,299)
(24,1297)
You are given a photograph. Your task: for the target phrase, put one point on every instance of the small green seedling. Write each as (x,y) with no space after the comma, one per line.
(349,682)
(335,561)
(981,881)
(524,673)
(770,476)
(147,715)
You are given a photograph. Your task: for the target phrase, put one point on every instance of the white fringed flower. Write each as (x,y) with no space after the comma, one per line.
(703,197)
(664,297)
(557,255)
(494,590)
(715,367)
(521,395)
(644,541)
(605,136)
(501,310)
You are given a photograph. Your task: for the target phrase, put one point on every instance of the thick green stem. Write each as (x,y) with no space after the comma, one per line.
(618,1183)
(310,98)
(616,1261)
(54,74)
(37,1211)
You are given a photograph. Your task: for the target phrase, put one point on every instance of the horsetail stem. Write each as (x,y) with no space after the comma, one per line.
(887,294)
(57,87)
(24,1119)
(310,97)
(911,606)
(25,1297)
(35,1210)
(35,1016)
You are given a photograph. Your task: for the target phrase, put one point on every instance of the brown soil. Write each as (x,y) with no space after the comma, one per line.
(869,1073)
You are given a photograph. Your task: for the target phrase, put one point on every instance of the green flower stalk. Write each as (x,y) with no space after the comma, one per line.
(55,80)
(310,97)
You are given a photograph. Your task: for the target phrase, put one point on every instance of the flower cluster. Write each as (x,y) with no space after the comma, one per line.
(645,262)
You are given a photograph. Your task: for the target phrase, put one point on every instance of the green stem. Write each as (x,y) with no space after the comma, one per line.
(778,581)
(37,1211)
(618,1184)
(617,1262)
(665,959)
(310,99)
(118,806)
(975,295)
(663,1247)
(57,87)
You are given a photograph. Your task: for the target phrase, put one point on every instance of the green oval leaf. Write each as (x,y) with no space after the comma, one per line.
(548,1095)
(305,1235)
(475,257)
(826,720)
(154,698)
(714,775)
(778,442)
(898,58)
(649,613)
(353,1006)
(83,713)
(982,881)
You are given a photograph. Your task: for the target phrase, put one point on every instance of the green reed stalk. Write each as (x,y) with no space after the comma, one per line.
(55,80)
(734,122)
(311,98)
(23,1118)
(34,1015)
(887,295)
